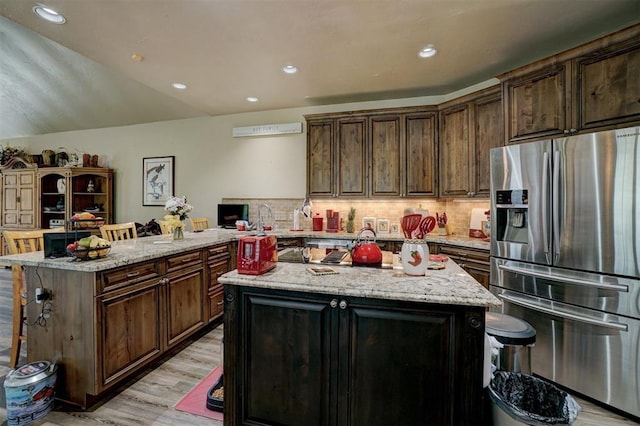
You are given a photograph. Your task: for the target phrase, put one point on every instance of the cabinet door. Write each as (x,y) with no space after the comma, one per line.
(352,157)
(456,169)
(420,150)
(19,200)
(537,105)
(390,379)
(185,293)
(608,89)
(320,161)
(488,134)
(285,349)
(130,325)
(385,155)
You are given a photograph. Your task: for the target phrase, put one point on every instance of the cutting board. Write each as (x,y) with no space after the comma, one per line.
(475,225)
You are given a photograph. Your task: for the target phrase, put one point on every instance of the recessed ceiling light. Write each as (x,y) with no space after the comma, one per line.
(179,86)
(290,69)
(252,99)
(427,52)
(49,14)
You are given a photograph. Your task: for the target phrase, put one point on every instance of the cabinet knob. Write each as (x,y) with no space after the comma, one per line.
(333,303)
(343,304)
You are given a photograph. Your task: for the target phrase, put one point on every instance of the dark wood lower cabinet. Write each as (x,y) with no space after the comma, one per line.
(296,358)
(474,261)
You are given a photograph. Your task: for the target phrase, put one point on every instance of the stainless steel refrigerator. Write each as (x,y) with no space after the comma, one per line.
(565,247)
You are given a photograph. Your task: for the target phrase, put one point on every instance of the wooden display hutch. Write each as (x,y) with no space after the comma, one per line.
(66,191)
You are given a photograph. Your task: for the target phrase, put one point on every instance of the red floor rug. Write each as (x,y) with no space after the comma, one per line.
(195,402)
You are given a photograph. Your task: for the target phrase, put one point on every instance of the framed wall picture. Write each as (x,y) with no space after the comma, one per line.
(394,228)
(369,222)
(383,226)
(157,180)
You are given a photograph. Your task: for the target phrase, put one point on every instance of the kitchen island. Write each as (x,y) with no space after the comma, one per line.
(110,318)
(363,346)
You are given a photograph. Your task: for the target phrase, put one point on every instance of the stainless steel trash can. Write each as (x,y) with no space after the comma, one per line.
(517,336)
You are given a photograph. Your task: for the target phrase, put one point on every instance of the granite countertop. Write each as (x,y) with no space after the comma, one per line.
(127,252)
(148,248)
(449,286)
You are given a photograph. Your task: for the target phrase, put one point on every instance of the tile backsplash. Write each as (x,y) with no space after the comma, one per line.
(458,211)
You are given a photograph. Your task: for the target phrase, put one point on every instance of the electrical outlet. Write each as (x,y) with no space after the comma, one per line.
(42,294)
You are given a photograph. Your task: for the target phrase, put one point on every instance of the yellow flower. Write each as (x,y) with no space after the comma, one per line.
(173,220)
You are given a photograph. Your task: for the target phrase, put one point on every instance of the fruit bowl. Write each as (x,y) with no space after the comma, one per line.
(89,253)
(87,223)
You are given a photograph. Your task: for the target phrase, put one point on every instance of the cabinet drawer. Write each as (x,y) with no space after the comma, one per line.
(464,253)
(184,260)
(215,271)
(116,278)
(290,242)
(216,304)
(218,252)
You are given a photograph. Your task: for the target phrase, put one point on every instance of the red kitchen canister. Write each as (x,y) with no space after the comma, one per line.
(317,222)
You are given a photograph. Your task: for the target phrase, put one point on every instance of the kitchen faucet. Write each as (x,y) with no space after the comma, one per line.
(261,220)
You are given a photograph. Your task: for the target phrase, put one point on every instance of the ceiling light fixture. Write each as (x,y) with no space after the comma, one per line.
(289,69)
(252,99)
(49,14)
(427,52)
(179,86)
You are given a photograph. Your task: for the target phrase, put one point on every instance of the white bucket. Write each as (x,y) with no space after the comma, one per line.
(30,392)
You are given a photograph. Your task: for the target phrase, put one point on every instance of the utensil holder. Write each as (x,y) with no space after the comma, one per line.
(415,257)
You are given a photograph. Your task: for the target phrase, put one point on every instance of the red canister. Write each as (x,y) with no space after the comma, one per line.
(317,222)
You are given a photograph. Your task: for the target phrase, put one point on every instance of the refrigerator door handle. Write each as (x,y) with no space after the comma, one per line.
(545,205)
(556,201)
(564,279)
(561,314)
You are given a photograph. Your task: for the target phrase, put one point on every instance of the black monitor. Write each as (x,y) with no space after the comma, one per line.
(55,243)
(229,213)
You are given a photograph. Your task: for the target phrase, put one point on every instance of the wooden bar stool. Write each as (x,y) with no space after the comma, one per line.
(20,242)
(119,231)
(199,223)
(164,226)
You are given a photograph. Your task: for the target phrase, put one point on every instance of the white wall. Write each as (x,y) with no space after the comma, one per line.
(210,164)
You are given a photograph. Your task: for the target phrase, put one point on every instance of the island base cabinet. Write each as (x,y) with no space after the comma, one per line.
(130,330)
(303,358)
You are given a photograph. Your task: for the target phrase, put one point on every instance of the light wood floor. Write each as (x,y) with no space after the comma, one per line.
(149,400)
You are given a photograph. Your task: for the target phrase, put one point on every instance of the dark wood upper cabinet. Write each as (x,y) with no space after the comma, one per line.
(379,153)
(320,161)
(385,155)
(421,159)
(608,86)
(589,88)
(469,127)
(352,157)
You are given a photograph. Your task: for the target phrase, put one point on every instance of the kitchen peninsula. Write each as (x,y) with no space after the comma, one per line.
(111,317)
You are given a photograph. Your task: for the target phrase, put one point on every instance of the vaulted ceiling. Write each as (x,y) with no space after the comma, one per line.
(81,74)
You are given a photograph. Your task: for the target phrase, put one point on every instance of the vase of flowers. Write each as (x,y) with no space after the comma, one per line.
(177,209)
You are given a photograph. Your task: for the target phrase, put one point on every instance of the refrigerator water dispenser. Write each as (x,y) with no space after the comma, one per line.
(512,221)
